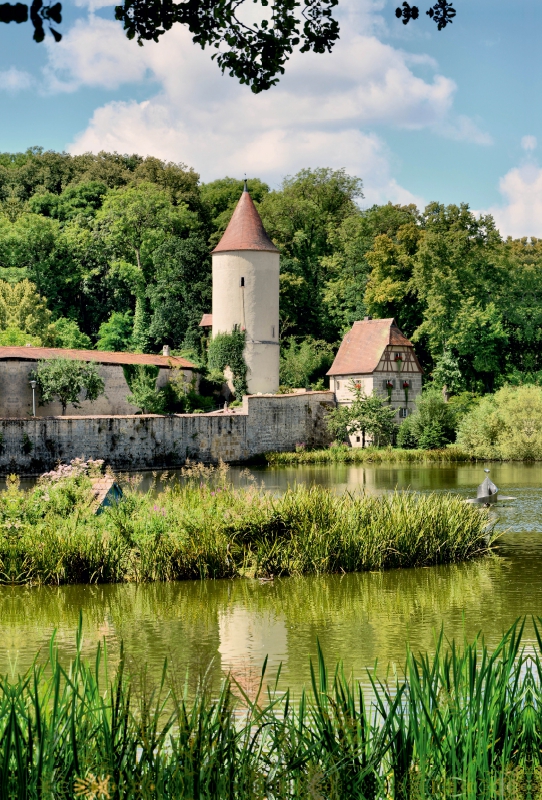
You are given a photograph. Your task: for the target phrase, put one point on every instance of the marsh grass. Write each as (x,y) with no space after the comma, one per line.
(373,455)
(206,528)
(464,722)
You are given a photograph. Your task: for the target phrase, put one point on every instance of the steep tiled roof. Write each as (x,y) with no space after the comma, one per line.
(206,321)
(36,353)
(245,230)
(362,347)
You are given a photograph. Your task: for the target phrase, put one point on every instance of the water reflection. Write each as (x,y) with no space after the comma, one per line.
(219,626)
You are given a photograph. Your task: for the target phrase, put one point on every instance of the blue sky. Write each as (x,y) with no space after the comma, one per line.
(419,115)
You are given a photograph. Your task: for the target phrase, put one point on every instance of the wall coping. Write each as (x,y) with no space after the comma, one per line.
(238,411)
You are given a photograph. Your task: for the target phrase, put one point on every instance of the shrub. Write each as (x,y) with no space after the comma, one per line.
(506,425)
(67,334)
(141,379)
(304,364)
(432,424)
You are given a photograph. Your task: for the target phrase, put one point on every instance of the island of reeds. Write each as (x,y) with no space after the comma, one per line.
(203,527)
(343,454)
(462,723)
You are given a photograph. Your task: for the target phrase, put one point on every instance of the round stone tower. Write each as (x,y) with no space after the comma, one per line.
(246,293)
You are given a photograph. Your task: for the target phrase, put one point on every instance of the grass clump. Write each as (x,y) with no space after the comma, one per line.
(206,528)
(464,722)
(341,454)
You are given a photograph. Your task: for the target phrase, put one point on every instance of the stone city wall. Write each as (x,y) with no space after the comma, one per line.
(265,423)
(16,393)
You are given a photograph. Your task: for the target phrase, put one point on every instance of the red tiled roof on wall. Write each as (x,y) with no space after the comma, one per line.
(362,347)
(100,357)
(245,230)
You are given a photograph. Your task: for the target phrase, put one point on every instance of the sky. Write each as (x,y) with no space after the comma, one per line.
(420,115)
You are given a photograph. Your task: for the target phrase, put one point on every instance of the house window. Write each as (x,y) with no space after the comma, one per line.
(338,384)
(242,282)
(358,439)
(403,412)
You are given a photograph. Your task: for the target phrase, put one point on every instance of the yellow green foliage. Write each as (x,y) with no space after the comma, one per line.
(24,316)
(506,425)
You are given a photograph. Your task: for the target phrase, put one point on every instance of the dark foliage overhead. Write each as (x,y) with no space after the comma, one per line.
(442,13)
(254,53)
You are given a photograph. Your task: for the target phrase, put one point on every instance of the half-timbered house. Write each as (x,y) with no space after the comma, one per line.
(377,357)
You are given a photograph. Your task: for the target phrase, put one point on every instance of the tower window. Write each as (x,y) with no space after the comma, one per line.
(242,283)
(403,412)
(272,331)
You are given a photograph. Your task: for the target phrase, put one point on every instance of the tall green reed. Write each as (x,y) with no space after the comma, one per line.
(205,527)
(372,455)
(463,722)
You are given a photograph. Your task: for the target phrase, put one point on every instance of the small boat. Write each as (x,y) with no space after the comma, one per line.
(487,493)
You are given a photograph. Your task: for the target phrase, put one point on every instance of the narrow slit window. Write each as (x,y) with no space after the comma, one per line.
(272,331)
(242,284)
(338,384)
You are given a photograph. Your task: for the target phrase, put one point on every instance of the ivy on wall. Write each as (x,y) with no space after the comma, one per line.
(226,350)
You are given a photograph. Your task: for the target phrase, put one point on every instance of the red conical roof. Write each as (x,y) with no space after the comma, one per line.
(245,230)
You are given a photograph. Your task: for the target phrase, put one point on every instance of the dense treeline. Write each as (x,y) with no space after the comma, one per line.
(119,246)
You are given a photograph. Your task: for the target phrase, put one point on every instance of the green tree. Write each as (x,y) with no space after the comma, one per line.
(115,335)
(181,292)
(135,220)
(303,364)
(67,334)
(141,379)
(220,198)
(65,380)
(447,375)
(432,424)
(368,415)
(347,295)
(299,218)
(507,425)
(24,313)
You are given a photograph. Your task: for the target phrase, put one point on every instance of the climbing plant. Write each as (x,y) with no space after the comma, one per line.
(227,350)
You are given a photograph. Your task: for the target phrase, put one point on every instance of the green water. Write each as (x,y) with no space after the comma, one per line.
(219,626)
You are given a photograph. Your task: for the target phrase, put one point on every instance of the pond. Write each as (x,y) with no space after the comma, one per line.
(217,626)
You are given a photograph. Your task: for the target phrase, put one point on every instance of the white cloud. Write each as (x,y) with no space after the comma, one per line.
(521,214)
(529,143)
(318,115)
(95,53)
(463,128)
(14,80)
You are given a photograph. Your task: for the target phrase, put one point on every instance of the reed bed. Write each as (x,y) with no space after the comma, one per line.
(372,455)
(464,722)
(205,528)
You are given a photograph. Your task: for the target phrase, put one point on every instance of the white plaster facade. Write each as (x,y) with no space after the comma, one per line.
(246,296)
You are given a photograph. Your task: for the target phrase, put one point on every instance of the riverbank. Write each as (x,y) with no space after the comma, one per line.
(373,455)
(205,528)
(459,723)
